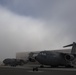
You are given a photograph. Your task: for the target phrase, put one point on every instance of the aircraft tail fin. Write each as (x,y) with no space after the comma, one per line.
(73,51)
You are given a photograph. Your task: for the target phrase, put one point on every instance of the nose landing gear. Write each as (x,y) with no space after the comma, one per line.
(35,69)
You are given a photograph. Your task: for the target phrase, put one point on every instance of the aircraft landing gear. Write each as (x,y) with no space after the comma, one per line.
(54,66)
(35,69)
(69,66)
(41,66)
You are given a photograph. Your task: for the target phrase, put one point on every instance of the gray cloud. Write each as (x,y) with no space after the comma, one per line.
(34,8)
(27,25)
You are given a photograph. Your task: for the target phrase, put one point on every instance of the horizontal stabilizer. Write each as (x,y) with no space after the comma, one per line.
(68,45)
(73,51)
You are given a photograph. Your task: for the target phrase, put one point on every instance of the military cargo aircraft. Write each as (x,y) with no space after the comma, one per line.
(13,62)
(56,59)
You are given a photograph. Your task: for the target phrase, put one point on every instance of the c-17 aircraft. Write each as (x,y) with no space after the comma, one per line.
(13,62)
(56,59)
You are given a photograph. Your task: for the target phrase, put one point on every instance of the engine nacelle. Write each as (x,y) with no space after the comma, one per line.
(69,57)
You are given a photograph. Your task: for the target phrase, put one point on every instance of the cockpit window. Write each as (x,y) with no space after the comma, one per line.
(42,53)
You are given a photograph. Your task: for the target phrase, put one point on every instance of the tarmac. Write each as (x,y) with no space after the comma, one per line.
(28,70)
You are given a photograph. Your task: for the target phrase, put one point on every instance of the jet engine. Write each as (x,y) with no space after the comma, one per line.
(69,57)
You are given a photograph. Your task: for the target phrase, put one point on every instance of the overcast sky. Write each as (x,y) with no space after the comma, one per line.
(31,25)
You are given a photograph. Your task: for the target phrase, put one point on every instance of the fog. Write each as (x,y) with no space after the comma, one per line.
(33,25)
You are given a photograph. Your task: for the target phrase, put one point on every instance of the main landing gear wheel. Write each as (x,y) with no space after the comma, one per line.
(54,66)
(69,66)
(41,66)
(35,69)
